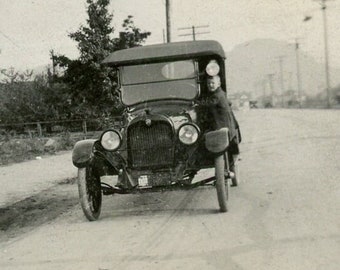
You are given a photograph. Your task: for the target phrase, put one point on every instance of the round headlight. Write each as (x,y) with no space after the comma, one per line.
(188,134)
(212,68)
(110,140)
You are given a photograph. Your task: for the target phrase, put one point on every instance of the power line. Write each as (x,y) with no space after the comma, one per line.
(8,38)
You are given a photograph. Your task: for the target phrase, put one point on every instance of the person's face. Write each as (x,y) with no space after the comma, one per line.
(213,84)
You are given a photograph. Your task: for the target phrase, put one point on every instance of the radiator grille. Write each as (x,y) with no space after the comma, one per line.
(150,146)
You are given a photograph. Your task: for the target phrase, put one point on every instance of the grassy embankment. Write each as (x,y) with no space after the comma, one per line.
(13,150)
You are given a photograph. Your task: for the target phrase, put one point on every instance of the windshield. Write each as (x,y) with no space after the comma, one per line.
(169,80)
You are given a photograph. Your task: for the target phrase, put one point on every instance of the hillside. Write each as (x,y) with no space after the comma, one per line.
(249,64)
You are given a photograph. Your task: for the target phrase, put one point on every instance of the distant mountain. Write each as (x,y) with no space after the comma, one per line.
(249,65)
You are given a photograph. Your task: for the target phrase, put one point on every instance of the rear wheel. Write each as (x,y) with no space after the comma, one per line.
(235,180)
(222,186)
(90,194)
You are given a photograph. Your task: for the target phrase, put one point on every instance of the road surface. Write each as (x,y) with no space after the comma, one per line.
(284,214)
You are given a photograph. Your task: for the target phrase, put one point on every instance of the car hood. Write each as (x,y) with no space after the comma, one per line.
(177,113)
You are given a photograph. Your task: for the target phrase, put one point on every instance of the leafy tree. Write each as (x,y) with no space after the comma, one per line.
(90,83)
(94,40)
(27,99)
(132,36)
(12,76)
(17,96)
(55,98)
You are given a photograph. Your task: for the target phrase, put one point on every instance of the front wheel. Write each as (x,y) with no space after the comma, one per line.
(222,186)
(90,194)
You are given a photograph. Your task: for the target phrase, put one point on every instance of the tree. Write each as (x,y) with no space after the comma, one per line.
(11,75)
(132,36)
(94,40)
(27,99)
(89,82)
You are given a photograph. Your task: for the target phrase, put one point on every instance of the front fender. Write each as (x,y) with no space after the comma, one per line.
(217,141)
(82,152)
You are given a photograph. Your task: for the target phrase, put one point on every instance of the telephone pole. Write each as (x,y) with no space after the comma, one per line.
(164,38)
(264,84)
(325,36)
(52,55)
(298,76)
(193,29)
(168,20)
(280,58)
(270,79)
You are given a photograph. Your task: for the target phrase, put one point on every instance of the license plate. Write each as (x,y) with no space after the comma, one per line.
(143,181)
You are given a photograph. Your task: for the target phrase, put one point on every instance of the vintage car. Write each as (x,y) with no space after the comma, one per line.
(165,135)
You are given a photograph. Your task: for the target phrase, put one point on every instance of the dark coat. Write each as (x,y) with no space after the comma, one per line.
(221,112)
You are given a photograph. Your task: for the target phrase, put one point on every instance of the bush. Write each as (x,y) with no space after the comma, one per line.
(18,150)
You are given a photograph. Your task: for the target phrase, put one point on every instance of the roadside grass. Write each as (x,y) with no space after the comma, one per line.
(14,150)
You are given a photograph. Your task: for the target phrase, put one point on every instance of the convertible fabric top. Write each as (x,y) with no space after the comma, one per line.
(170,51)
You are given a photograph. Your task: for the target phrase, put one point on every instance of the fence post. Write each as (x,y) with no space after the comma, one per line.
(85,129)
(39,129)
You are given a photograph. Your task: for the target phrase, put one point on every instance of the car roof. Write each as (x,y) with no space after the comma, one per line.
(168,51)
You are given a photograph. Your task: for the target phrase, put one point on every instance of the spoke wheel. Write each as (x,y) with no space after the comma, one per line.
(222,186)
(90,194)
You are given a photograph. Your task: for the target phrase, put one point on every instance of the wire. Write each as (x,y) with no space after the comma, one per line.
(7,37)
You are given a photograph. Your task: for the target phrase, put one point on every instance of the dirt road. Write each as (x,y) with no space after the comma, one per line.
(22,180)
(284,214)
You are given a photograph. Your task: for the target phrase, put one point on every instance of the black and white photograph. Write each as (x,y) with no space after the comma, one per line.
(168,134)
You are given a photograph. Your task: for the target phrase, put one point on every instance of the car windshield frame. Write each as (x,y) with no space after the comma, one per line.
(168,80)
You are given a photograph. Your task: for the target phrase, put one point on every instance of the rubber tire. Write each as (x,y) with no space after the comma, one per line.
(222,186)
(90,194)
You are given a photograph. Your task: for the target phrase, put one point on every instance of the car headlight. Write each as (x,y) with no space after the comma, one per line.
(188,134)
(212,69)
(110,140)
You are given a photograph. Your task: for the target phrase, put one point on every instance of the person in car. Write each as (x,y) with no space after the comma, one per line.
(222,115)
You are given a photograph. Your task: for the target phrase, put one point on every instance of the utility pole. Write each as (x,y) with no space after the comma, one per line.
(280,58)
(325,36)
(193,29)
(264,82)
(270,79)
(324,16)
(164,39)
(168,20)
(193,33)
(298,76)
(53,62)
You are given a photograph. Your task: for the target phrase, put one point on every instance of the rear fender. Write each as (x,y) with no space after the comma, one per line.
(217,141)
(82,152)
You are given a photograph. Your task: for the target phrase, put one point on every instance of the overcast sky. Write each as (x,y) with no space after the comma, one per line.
(29,29)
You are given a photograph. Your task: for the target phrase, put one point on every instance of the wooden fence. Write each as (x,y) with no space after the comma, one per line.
(86,128)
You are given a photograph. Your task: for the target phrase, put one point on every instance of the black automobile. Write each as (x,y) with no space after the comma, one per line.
(165,135)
